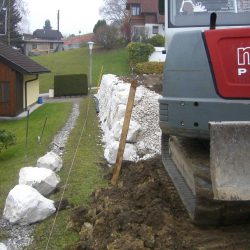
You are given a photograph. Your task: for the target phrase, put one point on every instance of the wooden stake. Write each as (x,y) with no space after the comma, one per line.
(124,133)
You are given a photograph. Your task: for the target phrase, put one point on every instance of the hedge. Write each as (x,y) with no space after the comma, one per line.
(157,41)
(149,68)
(139,52)
(70,85)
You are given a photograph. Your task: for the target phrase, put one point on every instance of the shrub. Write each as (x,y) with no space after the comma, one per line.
(149,68)
(157,41)
(139,52)
(70,85)
(6,139)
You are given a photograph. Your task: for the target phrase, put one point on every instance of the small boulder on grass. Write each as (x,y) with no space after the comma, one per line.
(2,247)
(51,161)
(43,180)
(25,205)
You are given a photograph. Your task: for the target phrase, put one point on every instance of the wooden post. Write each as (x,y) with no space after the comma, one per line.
(124,133)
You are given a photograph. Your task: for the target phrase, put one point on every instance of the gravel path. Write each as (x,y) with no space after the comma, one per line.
(60,140)
(21,236)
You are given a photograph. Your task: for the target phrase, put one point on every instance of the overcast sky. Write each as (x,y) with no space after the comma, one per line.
(75,15)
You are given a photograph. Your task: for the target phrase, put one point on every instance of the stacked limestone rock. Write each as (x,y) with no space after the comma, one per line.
(143,139)
(26,203)
(2,247)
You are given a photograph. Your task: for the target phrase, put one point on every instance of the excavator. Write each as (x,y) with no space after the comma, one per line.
(205,107)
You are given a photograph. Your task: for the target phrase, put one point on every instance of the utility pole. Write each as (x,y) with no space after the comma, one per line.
(8,23)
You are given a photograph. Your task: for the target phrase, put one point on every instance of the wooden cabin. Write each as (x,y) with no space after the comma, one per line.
(19,81)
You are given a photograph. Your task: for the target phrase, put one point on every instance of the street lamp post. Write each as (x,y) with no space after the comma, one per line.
(91,44)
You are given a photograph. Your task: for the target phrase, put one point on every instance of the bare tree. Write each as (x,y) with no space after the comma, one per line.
(114,11)
(106,35)
(23,10)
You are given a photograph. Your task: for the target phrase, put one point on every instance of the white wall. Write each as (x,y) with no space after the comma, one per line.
(157,55)
(149,27)
(32,90)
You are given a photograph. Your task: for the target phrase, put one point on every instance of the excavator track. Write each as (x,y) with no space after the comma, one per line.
(194,185)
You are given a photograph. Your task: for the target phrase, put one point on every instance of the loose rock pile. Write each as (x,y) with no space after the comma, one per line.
(143,139)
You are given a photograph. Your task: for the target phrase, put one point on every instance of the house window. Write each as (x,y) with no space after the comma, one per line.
(34,46)
(155,30)
(51,46)
(4,92)
(136,10)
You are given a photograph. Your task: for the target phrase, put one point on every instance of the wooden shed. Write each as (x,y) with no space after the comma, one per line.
(19,81)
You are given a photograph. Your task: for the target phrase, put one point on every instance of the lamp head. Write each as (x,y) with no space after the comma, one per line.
(91,44)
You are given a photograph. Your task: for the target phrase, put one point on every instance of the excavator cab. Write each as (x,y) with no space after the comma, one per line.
(207,71)
(205,107)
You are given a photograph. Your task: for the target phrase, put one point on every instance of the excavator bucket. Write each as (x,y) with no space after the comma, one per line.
(230,160)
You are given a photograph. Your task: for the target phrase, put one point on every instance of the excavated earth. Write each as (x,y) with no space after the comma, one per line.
(144,212)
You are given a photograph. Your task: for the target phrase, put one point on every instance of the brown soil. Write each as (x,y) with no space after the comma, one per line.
(152,82)
(144,212)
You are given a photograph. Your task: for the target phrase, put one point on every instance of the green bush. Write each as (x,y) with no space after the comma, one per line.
(6,139)
(70,85)
(157,41)
(139,52)
(149,68)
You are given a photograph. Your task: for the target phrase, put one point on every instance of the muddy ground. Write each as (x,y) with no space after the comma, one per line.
(145,212)
(152,82)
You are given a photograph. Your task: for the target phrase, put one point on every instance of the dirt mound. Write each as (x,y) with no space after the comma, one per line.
(144,212)
(153,82)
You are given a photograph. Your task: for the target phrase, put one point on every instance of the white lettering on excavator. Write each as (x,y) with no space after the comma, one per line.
(241,71)
(243,55)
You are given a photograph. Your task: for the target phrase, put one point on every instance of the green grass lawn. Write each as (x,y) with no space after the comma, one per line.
(16,157)
(85,177)
(77,62)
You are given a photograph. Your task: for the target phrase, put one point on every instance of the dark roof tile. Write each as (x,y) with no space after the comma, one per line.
(47,34)
(20,62)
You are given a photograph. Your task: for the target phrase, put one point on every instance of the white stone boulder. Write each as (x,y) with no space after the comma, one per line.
(133,131)
(51,161)
(111,150)
(2,247)
(42,179)
(25,205)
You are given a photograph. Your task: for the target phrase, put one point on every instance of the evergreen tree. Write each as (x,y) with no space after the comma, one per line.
(12,36)
(99,24)
(47,25)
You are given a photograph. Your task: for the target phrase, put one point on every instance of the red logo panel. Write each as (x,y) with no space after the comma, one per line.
(229,51)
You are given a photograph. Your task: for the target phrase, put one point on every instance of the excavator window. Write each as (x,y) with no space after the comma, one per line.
(193,13)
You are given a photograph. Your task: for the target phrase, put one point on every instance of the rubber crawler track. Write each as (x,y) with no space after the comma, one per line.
(202,209)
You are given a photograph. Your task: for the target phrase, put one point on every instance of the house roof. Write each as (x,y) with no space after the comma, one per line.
(47,34)
(20,62)
(79,39)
